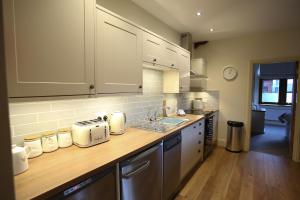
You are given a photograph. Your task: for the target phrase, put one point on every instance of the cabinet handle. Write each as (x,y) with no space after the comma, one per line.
(200,124)
(140,86)
(194,126)
(199,151)
(154,60)
(172,65)
(92,87)
(200,133)
(199,142)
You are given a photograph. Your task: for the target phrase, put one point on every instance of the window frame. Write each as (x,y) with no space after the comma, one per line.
(282,93)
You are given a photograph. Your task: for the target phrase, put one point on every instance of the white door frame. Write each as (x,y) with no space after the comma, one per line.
(296,107)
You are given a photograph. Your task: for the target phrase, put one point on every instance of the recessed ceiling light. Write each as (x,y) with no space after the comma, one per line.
(211,29)
(198,13)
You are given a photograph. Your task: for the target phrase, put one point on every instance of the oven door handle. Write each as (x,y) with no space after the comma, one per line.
(143,167)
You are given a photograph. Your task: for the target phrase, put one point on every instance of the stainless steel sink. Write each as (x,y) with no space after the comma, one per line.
(173,120)
(162,125)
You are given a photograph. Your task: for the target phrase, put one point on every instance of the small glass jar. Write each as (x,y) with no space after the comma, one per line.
(49,141)
(64,137)
(33,142)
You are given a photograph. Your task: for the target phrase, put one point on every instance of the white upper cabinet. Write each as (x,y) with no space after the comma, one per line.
(64,47)
(152,49)
(118,55)
(49,47)
(184,64)
(170,54)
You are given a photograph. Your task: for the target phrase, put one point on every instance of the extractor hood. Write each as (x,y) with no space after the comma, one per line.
(198,76)
(198,68)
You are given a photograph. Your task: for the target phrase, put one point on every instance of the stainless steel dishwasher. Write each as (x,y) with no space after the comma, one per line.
(99,186)
(141,175)
(172,160)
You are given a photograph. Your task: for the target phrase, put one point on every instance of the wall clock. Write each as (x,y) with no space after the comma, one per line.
(229,73)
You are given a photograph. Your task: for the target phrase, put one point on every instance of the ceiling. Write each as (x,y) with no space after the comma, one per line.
(228,18)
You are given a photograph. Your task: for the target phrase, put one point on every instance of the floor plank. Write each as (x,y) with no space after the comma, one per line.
(244,176)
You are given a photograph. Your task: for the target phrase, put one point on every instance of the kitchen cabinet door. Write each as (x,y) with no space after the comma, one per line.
(152,49)
(192,146)
(200,138)
(184,64)
(49,47)
(118,55)
(171,81)
(170,55)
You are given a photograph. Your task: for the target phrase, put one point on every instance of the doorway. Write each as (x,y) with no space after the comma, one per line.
(273,102)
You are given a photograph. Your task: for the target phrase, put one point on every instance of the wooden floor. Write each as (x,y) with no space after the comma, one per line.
(244,176)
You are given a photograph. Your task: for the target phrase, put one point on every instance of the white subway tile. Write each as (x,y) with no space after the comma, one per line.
(34,128)
(23,119)
(27,108)
(67,105)
(65,123)
(18,140)
(55,115)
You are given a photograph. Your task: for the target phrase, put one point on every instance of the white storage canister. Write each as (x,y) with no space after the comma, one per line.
(33,142)
(64,137)
(49,141)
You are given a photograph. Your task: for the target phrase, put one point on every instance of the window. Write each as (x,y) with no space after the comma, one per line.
(276,91)
(289,91)
(270,91)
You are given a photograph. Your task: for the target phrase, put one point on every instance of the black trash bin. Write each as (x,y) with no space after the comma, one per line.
(234,136)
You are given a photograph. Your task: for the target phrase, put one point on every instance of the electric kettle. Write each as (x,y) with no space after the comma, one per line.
(117,123)
(20,158)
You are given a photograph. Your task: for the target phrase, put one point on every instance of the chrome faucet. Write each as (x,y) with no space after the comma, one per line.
(165,108)
(152,116)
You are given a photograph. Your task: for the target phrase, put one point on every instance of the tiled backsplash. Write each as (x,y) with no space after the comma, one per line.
(210,99)
(37,116)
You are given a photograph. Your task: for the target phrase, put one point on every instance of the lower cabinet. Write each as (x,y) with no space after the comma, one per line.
(192,146)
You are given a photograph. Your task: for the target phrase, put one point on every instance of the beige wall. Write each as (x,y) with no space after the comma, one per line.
(129,10)
(239,52)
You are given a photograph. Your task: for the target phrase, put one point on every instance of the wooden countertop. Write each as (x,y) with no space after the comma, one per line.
(53,172)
